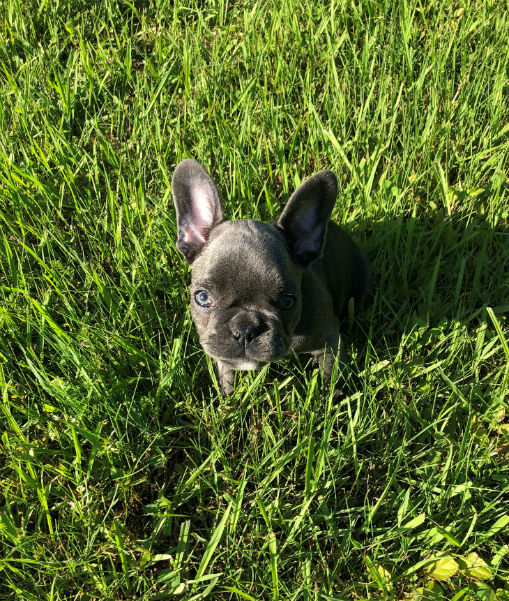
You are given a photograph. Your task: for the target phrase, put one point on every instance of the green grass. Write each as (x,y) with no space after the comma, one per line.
(123,474)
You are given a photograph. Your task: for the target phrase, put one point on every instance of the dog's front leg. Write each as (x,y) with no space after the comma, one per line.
(226,378)
(326,356)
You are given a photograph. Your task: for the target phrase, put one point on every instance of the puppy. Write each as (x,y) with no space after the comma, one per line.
(261,291)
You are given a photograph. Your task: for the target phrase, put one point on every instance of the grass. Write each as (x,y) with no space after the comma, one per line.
(123,474)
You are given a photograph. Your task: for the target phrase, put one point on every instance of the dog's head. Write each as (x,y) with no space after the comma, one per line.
(246,296)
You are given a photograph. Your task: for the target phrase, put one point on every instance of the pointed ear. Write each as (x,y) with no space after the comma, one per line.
(305,216)
(198,207)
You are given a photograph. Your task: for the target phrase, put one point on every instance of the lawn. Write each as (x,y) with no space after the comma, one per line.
(124,475)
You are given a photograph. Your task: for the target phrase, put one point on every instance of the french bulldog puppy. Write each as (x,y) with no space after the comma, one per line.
(262,291)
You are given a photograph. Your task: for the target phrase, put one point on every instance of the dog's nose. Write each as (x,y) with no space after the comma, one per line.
(245,334)
(245,327)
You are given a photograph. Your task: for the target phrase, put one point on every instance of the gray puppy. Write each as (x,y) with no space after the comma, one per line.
(260,291)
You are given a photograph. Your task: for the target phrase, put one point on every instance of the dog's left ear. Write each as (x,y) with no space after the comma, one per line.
(305,216)
(198,207)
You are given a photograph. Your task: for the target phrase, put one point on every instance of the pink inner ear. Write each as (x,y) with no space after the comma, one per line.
(202,207)
(201,216)
(193,235)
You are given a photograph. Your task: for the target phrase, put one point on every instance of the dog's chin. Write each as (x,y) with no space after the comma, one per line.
(246,361)
(245,364)
(241,363)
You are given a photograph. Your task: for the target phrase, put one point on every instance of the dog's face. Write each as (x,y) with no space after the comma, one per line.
(246,296)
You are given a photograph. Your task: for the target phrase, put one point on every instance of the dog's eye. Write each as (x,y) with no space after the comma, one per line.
(203,298)
(287,302)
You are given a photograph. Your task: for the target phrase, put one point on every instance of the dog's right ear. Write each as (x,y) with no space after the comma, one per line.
(198,207)
(306,215)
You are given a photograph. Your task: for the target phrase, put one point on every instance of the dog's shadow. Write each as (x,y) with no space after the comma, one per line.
(431,272)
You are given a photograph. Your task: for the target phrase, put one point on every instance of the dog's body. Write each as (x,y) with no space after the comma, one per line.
(260,291)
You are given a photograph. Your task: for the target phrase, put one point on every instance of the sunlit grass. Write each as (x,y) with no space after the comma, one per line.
(123,474)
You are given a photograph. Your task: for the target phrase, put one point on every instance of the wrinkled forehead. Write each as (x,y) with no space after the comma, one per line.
(248,254)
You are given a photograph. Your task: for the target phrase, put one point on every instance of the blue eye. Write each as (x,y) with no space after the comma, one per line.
(203,298)
(287,302)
